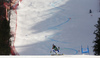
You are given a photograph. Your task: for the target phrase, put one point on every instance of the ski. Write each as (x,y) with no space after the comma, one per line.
(56,54)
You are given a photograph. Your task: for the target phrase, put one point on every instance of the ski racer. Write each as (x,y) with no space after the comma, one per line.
(55,49)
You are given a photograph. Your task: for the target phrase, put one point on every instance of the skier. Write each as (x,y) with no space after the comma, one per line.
(55,49)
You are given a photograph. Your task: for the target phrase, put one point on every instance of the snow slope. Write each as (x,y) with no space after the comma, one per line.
(65,23)
(65,56)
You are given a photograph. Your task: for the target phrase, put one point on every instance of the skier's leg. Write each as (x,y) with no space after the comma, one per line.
(54,51)
(58,50)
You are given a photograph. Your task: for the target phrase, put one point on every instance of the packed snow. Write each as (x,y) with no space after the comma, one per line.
(65,23)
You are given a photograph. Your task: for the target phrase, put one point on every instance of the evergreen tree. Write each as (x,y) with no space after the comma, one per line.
(5,42)
(97,39)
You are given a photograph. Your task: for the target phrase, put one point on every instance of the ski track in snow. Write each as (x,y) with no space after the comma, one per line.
(76,51)
(55,27)
(57,8)
(50,37)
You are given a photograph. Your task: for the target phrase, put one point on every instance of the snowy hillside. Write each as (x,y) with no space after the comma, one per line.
(65,23)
